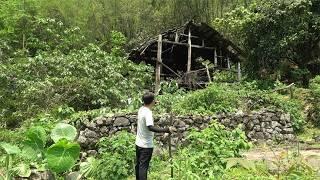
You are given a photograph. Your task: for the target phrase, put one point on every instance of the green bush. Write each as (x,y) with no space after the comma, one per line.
(116,158)
(217,97)
(84,79)
(208,150)
(260,99)
(315,100)
(224,97)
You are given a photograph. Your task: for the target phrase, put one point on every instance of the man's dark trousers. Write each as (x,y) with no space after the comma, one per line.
(143,157)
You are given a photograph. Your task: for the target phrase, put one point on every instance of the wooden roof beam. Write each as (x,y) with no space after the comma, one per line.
(186,44)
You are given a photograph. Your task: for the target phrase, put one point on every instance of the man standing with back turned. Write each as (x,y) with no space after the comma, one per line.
(145,133)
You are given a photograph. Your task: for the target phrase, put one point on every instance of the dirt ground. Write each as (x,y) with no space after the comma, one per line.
(284,155)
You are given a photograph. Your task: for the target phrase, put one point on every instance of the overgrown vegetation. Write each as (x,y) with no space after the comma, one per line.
(66,60)
(58,156)
(315,99)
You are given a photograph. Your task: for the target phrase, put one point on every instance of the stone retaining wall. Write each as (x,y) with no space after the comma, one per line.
(264,125)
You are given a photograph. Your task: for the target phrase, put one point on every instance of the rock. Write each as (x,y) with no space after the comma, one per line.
(256,121)
(124,129)
(91,125)
(251,134)
(182,129)
(250,125)
(278,136)
(121,121)
(112,131)
(207,119)
(91,142)
(259,135)
(277,129)
(108,121)
(225,122)
(267,135)
(285,118)
(133,119)
(36,175)
(257,128)
(164,121)
(289,137)
(179,124)
(189,121)
(104,130)
(73,175)
(287,130)
(246,120)
(92,152)
(82,141)
(99,120)
(198,120)
(269,142)
(90,134)
(269,131)
(83,155)
(275,124)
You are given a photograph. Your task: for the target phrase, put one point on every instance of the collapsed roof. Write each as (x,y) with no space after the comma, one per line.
(206,44)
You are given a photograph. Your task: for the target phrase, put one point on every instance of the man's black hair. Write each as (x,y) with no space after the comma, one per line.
(148,98)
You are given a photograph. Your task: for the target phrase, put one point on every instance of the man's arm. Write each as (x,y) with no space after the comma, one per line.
(158,130)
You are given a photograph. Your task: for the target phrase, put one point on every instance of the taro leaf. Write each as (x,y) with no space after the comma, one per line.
(29,153)
(88,167)
(62,155)
(23,170)
(63,131)
(10,149)
(36,138)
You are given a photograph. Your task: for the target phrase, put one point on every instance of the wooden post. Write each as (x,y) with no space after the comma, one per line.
(189,52)
(215,58)
(170,153)
(189,60)
(291,92)
(208,73)
(202,42)
(239,71)
(158,64)
(228,62)
(176,38)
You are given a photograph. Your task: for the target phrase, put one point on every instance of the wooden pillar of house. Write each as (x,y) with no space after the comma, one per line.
(189,59)
(189,52)
(158,64)
(228,63)
(215,57)
(239,71)
(221,57)
(176,38)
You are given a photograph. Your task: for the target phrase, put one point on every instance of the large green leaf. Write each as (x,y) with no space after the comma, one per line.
(10,149)
(62,155)
(63,131)
(36,138)
(29,153)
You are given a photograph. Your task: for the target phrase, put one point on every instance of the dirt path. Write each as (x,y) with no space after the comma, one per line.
(272,156)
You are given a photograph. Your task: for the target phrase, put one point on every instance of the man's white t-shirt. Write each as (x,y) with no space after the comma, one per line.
(144,137)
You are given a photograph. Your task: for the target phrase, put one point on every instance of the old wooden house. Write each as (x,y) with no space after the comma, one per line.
(180,52)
